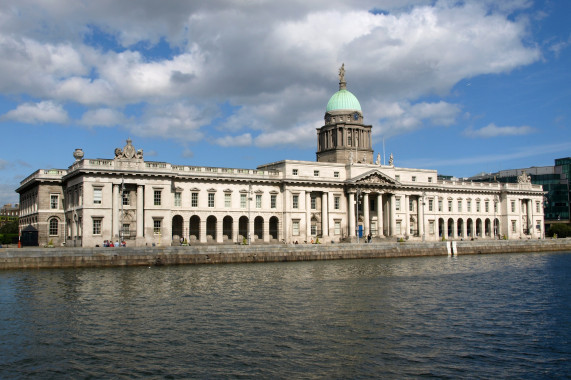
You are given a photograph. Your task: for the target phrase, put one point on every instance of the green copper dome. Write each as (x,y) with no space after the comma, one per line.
(343,100)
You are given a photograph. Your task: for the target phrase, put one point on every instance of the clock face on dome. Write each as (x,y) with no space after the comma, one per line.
(356,116)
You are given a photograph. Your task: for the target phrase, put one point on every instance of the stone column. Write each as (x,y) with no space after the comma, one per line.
(530,218)
(366,220)
(406,223)
(308,216)
(392,216)
(380,215)
(351,213)
(445,228)
(202,233)
(219,238)
(325,214)
(115,212)
(235,230)
(520,214)
(140,211)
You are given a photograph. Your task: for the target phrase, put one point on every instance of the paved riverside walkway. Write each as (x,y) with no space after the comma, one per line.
(68,257)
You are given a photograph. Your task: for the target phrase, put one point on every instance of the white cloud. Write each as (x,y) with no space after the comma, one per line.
(277,70)
(37,113)
(402,117)
(179,121)
(102,117)
(241,140)
(491,130)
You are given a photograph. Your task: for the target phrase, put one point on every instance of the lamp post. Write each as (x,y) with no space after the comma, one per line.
(249,213)
(423,218)
(357,195)
(495,211)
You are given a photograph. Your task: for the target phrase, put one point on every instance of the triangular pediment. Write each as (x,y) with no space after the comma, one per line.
(374,177)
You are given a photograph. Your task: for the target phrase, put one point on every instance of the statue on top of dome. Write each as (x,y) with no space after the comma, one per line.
(342,73)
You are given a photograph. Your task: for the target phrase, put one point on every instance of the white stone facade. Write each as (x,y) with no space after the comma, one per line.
(285,201)
(344,196)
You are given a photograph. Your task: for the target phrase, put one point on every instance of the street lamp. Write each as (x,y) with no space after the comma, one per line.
(423,218)
(249,213)
(495,211)
(358,195)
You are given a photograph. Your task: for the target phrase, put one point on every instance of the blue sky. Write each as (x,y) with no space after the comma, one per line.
(458,86)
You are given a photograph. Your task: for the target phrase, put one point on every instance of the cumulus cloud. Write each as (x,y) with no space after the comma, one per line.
(491,130)
(241,140)
(402,117)
(102,117)
(38,113)
(277,72)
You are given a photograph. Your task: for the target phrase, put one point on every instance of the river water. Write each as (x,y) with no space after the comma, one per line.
(481,316)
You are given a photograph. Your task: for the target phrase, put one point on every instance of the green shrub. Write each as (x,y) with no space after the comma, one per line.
(559,230)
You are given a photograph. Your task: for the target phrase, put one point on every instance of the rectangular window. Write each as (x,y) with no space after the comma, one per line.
(126,230)
(459,205)
(337,203)
(316,173)
(337,227)
(243,201)
(449,206)
(410,204)
(429,179)
(227,200)
(54,201)
(210,199)
(514,226)
(487,206)
(157,226)
(538,225)
(477,206)
(97,195)
(537,207)
(513,206)
(398,229)
(413,178)
(336,174)
(177,199)
(294,172)
(495,206)
(126,198)
(313,229)
(157,197)
(397,204)
(430,204)
(53,227)
(96,226)
(313,203)
(295,227)
(194,200)
(258,200)
(371,205)
(440,205)
(431,227)
(295,201)
(273,201)
(469,205)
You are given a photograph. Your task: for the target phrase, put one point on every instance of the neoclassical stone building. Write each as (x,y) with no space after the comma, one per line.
(343,196)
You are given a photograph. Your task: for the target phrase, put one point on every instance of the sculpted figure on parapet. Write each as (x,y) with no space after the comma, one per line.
(524,178)
(128,151)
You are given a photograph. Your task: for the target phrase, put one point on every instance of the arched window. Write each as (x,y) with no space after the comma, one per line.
(53,227)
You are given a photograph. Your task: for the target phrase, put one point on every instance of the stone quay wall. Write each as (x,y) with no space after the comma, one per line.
(36,258)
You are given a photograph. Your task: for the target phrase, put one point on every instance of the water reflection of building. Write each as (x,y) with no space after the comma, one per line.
(555,182)
(346,194)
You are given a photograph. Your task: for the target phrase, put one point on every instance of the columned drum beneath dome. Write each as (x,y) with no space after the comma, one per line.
(344,138)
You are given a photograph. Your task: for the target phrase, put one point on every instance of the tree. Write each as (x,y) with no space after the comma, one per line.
(10,227)
(562,230)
